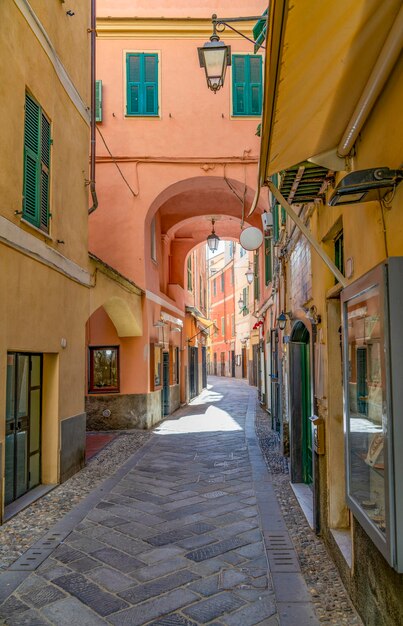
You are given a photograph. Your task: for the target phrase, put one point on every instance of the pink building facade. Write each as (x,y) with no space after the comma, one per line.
(170,157)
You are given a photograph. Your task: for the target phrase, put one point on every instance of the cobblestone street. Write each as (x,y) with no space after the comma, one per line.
(188,530)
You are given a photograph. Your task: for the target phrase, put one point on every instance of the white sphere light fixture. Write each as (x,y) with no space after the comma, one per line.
(251,238)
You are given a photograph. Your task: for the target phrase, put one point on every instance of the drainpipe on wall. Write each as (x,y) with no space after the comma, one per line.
(92,149)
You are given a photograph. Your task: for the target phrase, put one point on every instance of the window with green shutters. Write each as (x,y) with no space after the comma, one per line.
(246,84)
(37,141)
(256,283)
(190,274)
(98,100)
(245,298)
(267,261)
(141,83)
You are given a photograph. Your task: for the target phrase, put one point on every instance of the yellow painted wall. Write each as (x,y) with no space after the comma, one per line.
(40,306)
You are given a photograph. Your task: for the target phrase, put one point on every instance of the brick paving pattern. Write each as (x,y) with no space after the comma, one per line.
(181,535)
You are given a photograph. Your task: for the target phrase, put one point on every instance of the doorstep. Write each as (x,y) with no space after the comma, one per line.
(304,496)
(26,500)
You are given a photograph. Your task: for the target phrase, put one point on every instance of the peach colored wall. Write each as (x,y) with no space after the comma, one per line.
(175,165)
(179,8)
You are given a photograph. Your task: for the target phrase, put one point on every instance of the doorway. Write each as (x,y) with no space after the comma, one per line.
(233,363)
(301,405)
(165,383)
(215,363)
(222,364)
(193,372)
(23,424)
(204,367)
(244,363)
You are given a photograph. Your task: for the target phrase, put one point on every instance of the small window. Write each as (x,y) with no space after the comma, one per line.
(142,84)
(200,291)
(222,282)
(37,144)
(242,251)
(256,283)
(98,100)
(223,326)
(245,298)
(104,369)
(153,240)
(267,261)
(214,287)
(232,275)
(190,274)
(339,252)
(233,325)
(246,84)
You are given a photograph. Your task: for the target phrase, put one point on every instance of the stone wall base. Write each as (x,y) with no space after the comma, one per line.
(174,398)
(72,445)
(123,411)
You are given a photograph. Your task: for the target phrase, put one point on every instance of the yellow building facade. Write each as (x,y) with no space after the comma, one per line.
(45,274)
(330,120)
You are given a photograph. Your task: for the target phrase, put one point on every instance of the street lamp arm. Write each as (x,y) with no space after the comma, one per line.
(225,22)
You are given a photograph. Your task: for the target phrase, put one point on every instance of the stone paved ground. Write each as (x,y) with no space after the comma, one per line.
(188,531)
(331,601)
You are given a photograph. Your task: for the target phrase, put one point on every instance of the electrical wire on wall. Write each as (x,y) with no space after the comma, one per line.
(134,193)
(241,199)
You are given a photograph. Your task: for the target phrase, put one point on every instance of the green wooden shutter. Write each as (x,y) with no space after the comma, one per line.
(30,209)
(246,84)
(133,76)
(36,165)
(255,85)
(45,166)
(256,282)
(150,86)
(98,100)
(267,260)
(142,84)
(239,84)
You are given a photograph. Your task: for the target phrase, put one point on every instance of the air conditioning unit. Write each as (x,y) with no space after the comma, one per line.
(267,221)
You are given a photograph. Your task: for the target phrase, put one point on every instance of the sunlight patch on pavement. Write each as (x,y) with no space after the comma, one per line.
(213,420)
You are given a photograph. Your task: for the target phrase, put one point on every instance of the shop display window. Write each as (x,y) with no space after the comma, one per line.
(103,369)
(373,400)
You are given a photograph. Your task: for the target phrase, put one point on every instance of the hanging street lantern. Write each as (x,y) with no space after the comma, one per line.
(250,275)
(282,320)
(241,303)
(215,56)
(213,239)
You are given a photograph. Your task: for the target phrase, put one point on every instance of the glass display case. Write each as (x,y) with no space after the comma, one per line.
(373,403)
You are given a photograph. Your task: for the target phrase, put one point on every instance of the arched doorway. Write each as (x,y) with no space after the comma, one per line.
(300,405)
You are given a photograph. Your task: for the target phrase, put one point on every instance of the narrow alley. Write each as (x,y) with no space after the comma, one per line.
(187,531)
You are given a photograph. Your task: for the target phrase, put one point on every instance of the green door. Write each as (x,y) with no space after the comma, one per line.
(305,414)
(23,424)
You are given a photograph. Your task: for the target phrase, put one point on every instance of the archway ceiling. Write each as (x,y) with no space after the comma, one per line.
(206,198)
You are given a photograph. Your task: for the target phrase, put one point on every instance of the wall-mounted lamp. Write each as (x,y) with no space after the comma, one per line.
(313,315)
(282,319)
(241,303)
(365,185)
(213,239)
(250,275)
(215,56)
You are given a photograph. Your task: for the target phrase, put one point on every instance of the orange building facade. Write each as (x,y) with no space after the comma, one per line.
(170,157)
